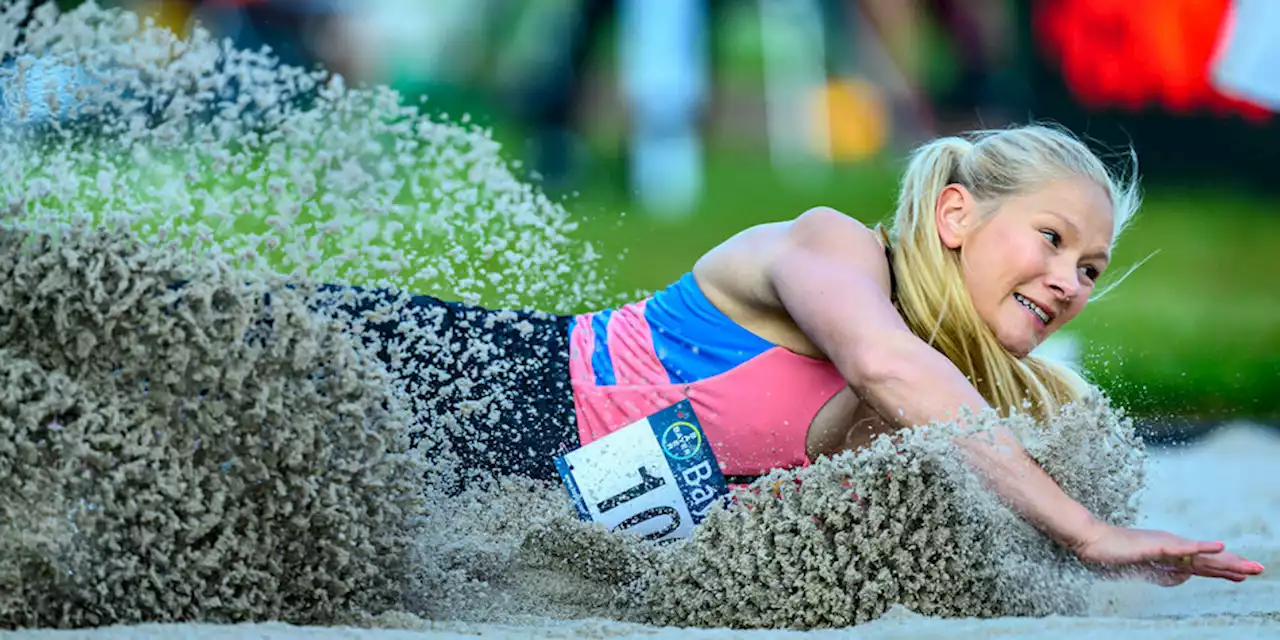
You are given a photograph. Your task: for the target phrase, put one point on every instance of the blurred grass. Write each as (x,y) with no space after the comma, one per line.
(1193,333)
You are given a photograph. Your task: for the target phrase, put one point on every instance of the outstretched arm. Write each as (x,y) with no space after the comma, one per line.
(832,279)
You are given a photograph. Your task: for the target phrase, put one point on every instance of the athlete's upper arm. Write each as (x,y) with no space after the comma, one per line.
(832,278)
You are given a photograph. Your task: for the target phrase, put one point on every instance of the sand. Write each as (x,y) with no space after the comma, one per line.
(1222,487)
(192,434)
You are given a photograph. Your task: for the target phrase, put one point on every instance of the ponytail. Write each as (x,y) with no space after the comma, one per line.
(931,295)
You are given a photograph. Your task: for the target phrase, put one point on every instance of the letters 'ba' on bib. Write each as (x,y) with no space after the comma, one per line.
(656,478)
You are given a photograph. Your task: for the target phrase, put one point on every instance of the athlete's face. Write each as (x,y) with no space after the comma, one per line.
(1031,264)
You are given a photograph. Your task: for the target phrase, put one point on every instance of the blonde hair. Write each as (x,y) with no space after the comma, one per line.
(931,295)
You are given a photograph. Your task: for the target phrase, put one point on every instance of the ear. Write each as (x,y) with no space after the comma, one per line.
(955,213)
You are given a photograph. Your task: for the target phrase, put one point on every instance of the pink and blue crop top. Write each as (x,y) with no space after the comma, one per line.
(755,399)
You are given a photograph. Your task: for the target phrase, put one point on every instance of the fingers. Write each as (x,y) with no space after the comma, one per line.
(1184,548)
(1173,575)
(1225,565)
(1172,560)
(1176,571)
(1234,564)
(1209,547)
(1224,574)
(1208,570)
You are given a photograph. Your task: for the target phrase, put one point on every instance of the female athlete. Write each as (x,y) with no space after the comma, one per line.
(810,336)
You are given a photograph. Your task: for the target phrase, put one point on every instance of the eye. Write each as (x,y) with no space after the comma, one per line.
(1091,273)
(1052,236)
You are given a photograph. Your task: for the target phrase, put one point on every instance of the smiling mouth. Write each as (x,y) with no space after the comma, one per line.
(1034,308)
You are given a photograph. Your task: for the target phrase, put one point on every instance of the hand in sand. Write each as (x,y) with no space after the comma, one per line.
(1163,557)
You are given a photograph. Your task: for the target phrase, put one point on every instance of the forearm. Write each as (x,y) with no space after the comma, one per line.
(920,385)
(832,279)
(1024,486)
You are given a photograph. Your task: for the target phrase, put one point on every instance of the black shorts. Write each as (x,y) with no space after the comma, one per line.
(492,387)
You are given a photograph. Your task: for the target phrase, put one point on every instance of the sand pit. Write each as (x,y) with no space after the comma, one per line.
(1232,466)
(192,433)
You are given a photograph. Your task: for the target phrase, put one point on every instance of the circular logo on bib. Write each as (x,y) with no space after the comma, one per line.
(681,441)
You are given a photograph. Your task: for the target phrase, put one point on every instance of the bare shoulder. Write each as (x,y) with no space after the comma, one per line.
(826,232)
(736,273)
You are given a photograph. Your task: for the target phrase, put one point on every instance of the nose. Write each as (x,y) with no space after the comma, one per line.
(1064,280)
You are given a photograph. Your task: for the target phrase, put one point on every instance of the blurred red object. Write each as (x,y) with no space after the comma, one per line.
(1136,54)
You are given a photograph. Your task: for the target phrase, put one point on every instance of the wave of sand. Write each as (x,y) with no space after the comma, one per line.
(1224,486)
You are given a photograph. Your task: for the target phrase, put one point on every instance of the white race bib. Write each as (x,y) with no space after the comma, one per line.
(655,478)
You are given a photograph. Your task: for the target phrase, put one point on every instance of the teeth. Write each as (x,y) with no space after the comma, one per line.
(1044,317)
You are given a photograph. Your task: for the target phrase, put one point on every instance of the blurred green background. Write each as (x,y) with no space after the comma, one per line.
(816,102)
(1194,333)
